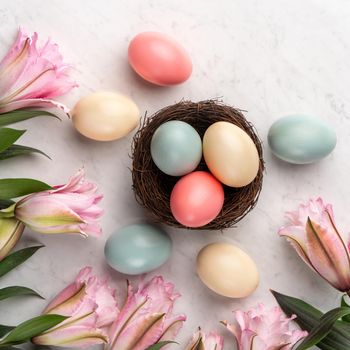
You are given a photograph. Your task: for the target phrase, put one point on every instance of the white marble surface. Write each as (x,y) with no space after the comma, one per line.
(270,58)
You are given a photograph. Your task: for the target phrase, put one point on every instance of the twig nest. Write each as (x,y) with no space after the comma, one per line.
(153,187)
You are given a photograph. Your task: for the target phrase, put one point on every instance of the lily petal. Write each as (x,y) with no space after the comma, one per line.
(329,255)
(46,211)
(296,236)
(172,327)
(13,64)
(68,301)
(33,103)
(73,336)
(140,334)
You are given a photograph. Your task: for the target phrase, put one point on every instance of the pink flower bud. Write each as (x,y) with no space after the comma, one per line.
(70,208)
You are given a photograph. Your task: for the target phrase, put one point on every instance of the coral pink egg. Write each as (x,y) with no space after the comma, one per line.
(159,59)
(196,199)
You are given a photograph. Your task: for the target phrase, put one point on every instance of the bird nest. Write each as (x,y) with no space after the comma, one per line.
(152,187)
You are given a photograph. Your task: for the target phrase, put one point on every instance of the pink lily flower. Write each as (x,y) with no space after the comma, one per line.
(91,307)
(70,208)
(260,329)
(146,318)
(30,76)
(205,341)
(315,237)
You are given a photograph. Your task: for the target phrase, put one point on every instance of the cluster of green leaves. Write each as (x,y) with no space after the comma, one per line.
(329,331)
(24,332)
(9,136)
(10,189)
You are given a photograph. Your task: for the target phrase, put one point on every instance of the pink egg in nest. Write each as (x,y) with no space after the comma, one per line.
(196,199)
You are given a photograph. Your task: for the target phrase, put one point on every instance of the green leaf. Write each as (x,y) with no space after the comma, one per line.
(323,327)
(5,203)
(161,344)
(8,137)
(309,317)
(18,150)
(22,114)
(13,188)
(32,328)
(344,303)
(16,291)
(17,258)
(5,329)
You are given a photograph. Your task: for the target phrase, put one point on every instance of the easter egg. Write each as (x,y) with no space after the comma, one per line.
(159,59)
(176,148)
(230,154)
(301,139)
(196,199)
(227,270)
(137,249)
(105,116)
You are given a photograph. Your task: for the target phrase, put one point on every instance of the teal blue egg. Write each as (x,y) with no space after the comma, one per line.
(301,139)
(137,249)
(176,148)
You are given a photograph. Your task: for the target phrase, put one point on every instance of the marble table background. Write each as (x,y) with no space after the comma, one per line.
(270,58)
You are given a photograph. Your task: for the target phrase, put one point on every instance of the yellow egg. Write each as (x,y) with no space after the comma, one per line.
(227,270)
(230,154)
(105,116)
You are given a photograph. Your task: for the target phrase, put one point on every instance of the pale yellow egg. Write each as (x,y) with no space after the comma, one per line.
(227,270)
(230,154)
(105,116)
